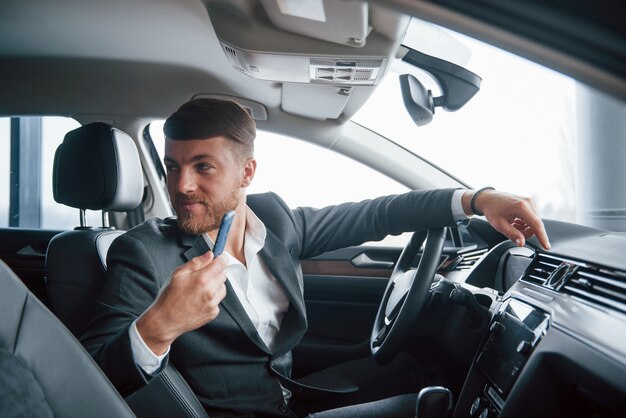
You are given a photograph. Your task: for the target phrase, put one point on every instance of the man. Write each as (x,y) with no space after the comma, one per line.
(166,296)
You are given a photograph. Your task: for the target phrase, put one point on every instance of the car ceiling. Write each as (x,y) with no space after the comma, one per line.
(112,60)
(118,59)
(583,39)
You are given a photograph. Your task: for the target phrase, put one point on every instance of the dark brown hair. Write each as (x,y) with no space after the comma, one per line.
(209,118)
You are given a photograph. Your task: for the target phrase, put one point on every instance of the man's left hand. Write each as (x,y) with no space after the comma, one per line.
(514,216)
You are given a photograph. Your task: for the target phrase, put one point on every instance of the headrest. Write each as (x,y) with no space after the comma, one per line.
(97,167)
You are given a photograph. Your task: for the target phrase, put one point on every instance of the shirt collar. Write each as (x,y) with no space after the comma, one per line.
(254,234)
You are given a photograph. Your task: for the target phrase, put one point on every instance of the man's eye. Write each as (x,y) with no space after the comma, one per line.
(170,168)
(204,167)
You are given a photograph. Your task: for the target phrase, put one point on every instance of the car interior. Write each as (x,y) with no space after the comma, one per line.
(501,330)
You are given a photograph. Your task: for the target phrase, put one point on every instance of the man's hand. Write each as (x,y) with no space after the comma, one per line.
(189,301)
(514,216)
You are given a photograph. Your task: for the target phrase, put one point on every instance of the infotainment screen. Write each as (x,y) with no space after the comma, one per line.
(513,335)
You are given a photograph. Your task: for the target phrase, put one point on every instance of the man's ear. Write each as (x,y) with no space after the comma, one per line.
(249,169)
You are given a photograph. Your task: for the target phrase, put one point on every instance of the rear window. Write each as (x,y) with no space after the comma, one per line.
(27,147)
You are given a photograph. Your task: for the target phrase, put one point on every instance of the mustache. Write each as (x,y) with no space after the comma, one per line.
(184,199)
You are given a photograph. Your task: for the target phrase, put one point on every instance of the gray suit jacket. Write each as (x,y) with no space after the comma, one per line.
(225,362)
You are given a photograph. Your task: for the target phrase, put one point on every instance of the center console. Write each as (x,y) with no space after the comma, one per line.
(513,334)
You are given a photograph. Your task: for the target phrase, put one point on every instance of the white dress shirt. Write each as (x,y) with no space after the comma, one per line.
(261,296)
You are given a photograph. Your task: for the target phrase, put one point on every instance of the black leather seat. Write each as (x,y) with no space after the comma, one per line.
(44,371)
(97,167)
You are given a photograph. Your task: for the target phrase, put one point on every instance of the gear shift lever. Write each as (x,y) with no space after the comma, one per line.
(433,402)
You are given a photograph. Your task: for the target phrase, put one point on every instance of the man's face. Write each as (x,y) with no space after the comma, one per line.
(204,179)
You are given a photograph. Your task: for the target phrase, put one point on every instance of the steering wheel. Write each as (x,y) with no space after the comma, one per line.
(406,293)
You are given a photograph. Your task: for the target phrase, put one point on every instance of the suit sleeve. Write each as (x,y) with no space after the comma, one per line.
(349,224)
(129,288)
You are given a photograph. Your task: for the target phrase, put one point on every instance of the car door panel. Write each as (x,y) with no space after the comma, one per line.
(24,251)
(341,300)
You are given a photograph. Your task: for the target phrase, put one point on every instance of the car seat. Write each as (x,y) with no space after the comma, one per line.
(44,371)
(97,167)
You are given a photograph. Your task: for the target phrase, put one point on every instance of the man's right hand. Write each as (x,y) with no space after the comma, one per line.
(189,301)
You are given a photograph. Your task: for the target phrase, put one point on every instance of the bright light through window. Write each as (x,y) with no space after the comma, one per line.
(517,134)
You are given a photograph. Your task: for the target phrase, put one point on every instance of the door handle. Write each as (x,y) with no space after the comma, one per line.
(364,261)
(29,251)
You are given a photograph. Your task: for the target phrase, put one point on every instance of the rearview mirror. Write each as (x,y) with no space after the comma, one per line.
(417,100)
(458,85)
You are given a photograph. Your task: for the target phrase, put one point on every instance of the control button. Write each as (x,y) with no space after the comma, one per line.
(283,408)
(524,347)
(487,413)
(477,405)
(496,327)
(325,72)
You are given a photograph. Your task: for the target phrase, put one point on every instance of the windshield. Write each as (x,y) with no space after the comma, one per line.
(517,134)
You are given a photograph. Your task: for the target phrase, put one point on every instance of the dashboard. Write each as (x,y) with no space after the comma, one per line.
(556,343)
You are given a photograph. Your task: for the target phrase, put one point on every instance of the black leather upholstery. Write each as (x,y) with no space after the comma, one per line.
(175,398)
(75,268)
(72,383)
(97,167)
(21,395)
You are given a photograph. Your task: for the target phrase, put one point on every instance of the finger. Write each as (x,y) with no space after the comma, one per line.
(214,298)
(542,236)
(214,301)
(213,275)
(196,263)
(216,294)
(511,233)
(536,224)
(519,227)
(221,262)
(220,293)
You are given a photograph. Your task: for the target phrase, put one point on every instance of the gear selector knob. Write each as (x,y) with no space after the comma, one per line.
(433,402)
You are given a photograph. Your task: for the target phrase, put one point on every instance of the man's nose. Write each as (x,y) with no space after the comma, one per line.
(186,181)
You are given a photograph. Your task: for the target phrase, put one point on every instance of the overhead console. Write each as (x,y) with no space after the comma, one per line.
(320,50)
(323,42)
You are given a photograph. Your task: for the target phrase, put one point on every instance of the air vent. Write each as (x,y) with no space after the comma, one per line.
(541,268)
(467,260)
(363,75)
(294,68)
(358,72)
(233,57)
(230,50)
(599,287)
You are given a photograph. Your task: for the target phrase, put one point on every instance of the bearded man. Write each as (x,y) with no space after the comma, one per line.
(229,323)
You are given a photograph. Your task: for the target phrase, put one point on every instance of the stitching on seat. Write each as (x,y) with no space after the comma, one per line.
(19,328)
(179,397)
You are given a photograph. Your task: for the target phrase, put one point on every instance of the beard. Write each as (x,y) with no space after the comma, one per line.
(197,223)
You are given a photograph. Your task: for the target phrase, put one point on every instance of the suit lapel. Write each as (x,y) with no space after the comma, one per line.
(231,304)
(196,245)
(280,264)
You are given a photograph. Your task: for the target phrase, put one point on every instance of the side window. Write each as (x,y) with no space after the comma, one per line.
(27,147)
(304,174)
(5,169)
